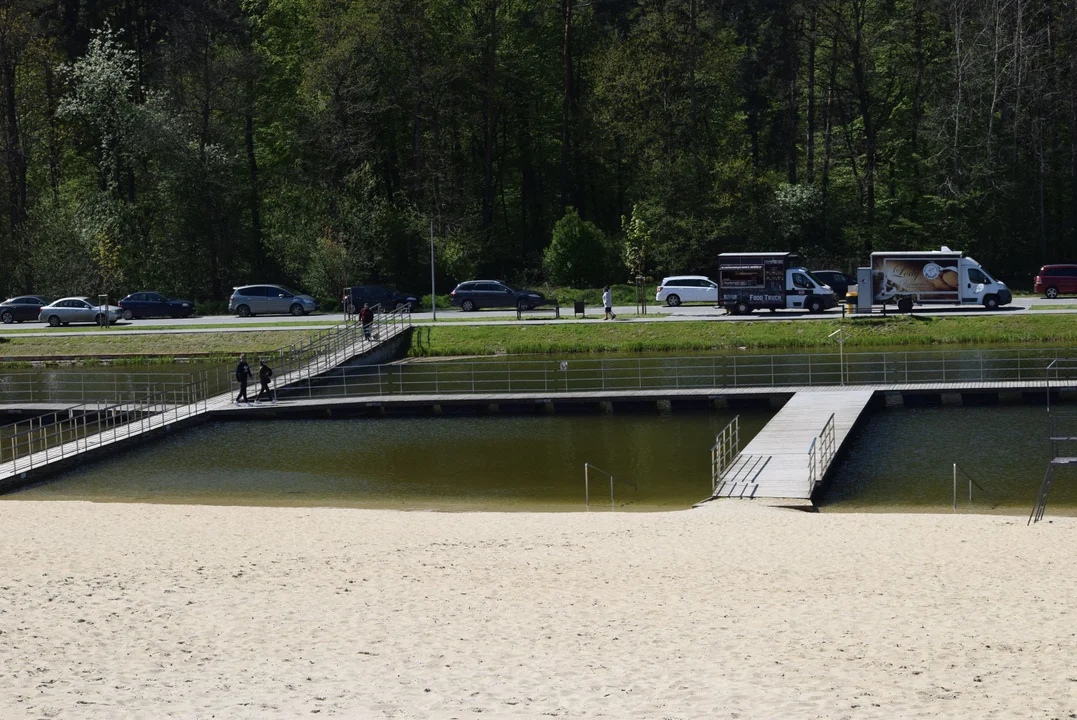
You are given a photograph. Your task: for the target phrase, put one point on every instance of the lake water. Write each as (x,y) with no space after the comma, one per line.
(488,463)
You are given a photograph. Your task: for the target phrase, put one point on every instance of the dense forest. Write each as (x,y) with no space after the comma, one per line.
(191,145)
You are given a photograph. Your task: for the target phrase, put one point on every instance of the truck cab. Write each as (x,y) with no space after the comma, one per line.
(748,281)
(979,288)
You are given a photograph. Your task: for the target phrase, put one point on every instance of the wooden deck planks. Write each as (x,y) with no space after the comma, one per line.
(786,440)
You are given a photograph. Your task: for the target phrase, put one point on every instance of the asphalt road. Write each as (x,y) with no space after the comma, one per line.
(657,313)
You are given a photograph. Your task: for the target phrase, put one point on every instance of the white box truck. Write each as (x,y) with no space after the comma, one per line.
(925,277)
(771,280)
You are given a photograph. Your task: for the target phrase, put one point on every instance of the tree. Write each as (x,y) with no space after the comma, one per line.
(576,255)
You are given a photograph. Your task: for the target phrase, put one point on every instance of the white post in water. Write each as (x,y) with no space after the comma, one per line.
(955,487)
(433,292)
(586,487)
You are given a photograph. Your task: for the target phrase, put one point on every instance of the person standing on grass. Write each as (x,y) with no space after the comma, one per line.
(607,302)
(243,374)
(265,374)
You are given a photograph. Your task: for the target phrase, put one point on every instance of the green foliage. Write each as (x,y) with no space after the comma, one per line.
(577,253)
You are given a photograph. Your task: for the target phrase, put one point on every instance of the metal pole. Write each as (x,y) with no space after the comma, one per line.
(613,505)
(433,292)
(586,486)
(955,486)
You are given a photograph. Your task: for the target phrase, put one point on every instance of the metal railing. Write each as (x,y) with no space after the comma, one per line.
(972,483)
(820,454)
(587,467)
(297,368)
(725,450)
(47,438)
(26,386)
(557,376)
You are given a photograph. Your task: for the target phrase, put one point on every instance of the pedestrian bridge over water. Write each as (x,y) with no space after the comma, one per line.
(822,395)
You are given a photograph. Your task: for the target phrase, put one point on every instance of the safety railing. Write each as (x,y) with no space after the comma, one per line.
(51,386)
(54,436)
(820,454)
(587,468)
(681,373)
(302,364)
(972,483)
(724,451)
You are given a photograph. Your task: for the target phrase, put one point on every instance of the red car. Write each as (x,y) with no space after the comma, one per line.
(1055,280)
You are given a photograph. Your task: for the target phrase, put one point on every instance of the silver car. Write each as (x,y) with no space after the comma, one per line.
(269,300)
(78,309)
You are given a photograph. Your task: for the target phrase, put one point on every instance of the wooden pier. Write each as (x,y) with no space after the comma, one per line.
(779,462)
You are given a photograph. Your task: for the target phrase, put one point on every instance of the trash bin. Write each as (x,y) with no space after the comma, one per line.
(578,308)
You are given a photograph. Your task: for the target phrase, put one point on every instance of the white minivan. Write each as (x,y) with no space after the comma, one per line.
(687,288)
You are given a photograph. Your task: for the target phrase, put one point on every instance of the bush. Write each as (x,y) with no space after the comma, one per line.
(577,254)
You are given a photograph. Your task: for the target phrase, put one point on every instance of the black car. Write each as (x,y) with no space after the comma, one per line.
(838,281)
(476,294)
(389,298)
(153,304)
(23,308)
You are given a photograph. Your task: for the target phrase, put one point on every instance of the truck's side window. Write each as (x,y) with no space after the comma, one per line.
(801,281)
(977,277)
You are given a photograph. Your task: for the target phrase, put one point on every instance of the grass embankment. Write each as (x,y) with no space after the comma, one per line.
(220,344)
(763,334)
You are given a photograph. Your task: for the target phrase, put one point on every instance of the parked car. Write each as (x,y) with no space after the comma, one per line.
(77,309)
(687,288)
(838,281)
(1055,280)
(152,304)
(269,300)
(23,308)
(389,298)
(476,294)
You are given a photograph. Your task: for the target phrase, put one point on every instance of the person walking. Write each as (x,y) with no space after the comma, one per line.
(265,374)
(243,374)
(366,316)
(607,302)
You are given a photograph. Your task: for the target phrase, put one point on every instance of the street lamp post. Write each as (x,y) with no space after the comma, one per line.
(433,292)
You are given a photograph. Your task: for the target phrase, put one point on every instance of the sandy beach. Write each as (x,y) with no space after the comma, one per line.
(734,610)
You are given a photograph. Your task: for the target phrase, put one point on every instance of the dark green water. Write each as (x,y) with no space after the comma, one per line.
(903,458)
(450,463)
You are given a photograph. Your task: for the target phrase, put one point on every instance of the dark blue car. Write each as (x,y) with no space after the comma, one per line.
(153,304)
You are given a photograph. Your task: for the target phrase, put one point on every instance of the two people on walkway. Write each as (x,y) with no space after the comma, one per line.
(607,302)
(244,375)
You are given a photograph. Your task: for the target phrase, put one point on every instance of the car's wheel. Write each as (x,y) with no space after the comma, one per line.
(128,315)
(904,305)
(673,300)
(1052,292)
(815,305)
(742,308)
(8,317)
(296,310)
(54,321)
(243,311)
(467,305)
(991,302)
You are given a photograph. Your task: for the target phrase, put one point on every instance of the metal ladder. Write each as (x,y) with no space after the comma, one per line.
(1057,437)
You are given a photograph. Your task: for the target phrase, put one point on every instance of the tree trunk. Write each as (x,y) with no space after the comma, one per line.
(863,94)
(16,158)
(53,133)
(252,166)
(489,135)
(568,93)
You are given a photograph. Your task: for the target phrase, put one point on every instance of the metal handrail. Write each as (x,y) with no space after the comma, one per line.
(820,454)
(82,387)
(725,450)
(972,482)
(587,467)
(556,376)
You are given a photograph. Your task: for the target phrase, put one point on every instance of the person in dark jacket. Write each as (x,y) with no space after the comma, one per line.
(366,316)
(265,375)
(243,374)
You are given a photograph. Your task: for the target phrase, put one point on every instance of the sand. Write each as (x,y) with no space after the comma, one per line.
(734,610)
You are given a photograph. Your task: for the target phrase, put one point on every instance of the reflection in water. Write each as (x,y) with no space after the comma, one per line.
(449,463)
(905,457)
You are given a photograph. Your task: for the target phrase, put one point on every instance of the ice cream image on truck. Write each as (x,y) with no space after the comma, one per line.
(932,277)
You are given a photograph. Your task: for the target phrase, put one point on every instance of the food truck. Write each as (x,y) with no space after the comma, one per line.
(772,280)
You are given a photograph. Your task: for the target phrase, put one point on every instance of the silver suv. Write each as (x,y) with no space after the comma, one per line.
(269,300)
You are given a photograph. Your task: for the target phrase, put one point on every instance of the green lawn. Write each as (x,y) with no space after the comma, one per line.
(170,345)
(768,334)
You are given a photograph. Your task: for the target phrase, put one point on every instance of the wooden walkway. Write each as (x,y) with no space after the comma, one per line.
(13,472)
(775,463)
